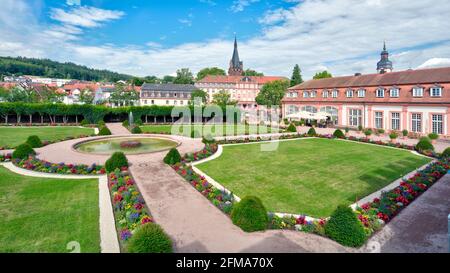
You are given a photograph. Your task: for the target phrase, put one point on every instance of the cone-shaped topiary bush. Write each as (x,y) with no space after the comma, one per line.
(291,128)
(23,151)
(101,123)
(84,122)
(345,228)
(446,152)
(150,238)
(125,123)
(424,144)
(136,130)
(339,134)
(104,131)
(172,157)
(312,132)
(34,142)
(116,161)
(250,214)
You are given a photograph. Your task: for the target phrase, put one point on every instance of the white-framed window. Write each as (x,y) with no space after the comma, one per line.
(167,102)
(394,92)
(437,124)
(335,93)
(379,120)
(145,101)
(309,108)
(181,102)
(416,123)
(292,95)
(380,93)
(313,94)
(355,117)
(349,93)
(418,92)
(292,109)
(325,94)
(395,121)
(436,91)
(305,94)
(361,93)
(153,101)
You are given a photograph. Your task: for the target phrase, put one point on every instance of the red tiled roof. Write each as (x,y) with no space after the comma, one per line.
(80,86)
(236,79)
(410,77)
(8,85)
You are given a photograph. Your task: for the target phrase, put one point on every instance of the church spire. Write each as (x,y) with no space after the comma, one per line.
(384,65)
(236,66)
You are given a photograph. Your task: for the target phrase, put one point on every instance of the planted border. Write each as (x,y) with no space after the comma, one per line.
(34,164)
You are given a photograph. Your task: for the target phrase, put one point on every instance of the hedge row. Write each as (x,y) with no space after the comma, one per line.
(92,113)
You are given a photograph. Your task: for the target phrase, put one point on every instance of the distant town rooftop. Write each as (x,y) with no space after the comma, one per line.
(168,87)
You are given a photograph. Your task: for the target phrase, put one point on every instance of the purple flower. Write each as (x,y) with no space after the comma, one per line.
(125,234)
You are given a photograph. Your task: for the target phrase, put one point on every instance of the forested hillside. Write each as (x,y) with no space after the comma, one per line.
(48,68)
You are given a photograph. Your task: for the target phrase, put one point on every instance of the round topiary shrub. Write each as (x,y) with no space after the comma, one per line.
(34,142)
(101,123)
(250,214)
(104,131)
(312,132)
(172,157)
(433,136)
(405,133)
(345,228)
(23,151)
(150,238)
(368,132)
(393,135)
(84,122)
(117,161)
(339,134)
(138,122)
(424,144)
(292,128)
(446,152)
(136,130)
(125,123)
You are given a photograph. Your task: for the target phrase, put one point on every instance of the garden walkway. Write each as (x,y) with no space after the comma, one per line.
(421,227)
(117,129)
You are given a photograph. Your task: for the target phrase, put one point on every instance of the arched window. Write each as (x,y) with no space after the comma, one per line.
(310,109)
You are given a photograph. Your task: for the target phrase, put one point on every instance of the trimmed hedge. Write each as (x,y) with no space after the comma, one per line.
(446,152)
(104,131)
(117,161)
(345,228)
(136,130)
(424,144)
(312,132)
(291,128)
(150,238)
(34,142)
(173,157)
(23,151)
(84,122)
(250,214)
(339,134)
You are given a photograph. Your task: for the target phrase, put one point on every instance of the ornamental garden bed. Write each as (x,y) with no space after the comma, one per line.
(44,215)
(13,136)
(34,164)
(371,216)
(212,130)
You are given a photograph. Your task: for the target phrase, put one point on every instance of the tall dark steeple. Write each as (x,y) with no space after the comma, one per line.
(384,65)
(236,66)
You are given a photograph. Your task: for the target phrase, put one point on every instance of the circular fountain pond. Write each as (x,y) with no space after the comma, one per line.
(127,145)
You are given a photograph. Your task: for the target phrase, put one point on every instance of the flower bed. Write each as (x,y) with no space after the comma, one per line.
(130,144)
(37,165)
(5,158)
(207,151)
(129,206)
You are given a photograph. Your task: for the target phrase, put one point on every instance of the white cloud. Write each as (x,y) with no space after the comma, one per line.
(85,16)
(436,62)
(343,36)
(186,22)
(240,5)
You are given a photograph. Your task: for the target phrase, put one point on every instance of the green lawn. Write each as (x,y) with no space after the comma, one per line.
(43,215)
(14,136)
(310,176)
(213,130)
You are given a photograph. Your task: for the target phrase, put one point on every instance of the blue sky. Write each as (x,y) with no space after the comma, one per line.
(150,37)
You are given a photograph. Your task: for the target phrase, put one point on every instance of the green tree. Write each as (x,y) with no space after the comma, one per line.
(86,96)
(322,75)
(168,79)
(121,96)
(214,71)
(296,76)
(199,94)
(223,98)
(184,76)
(251,72)
(272,93)
(137,81)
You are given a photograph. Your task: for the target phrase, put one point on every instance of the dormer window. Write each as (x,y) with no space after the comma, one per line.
(417,91)
(325,94)
(305,94)
(349,93)
(436,91)
(361,93)
(380,93)
(313,94)
(394,92)
(335,93)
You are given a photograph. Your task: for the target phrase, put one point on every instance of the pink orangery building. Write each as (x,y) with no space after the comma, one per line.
(415,100)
